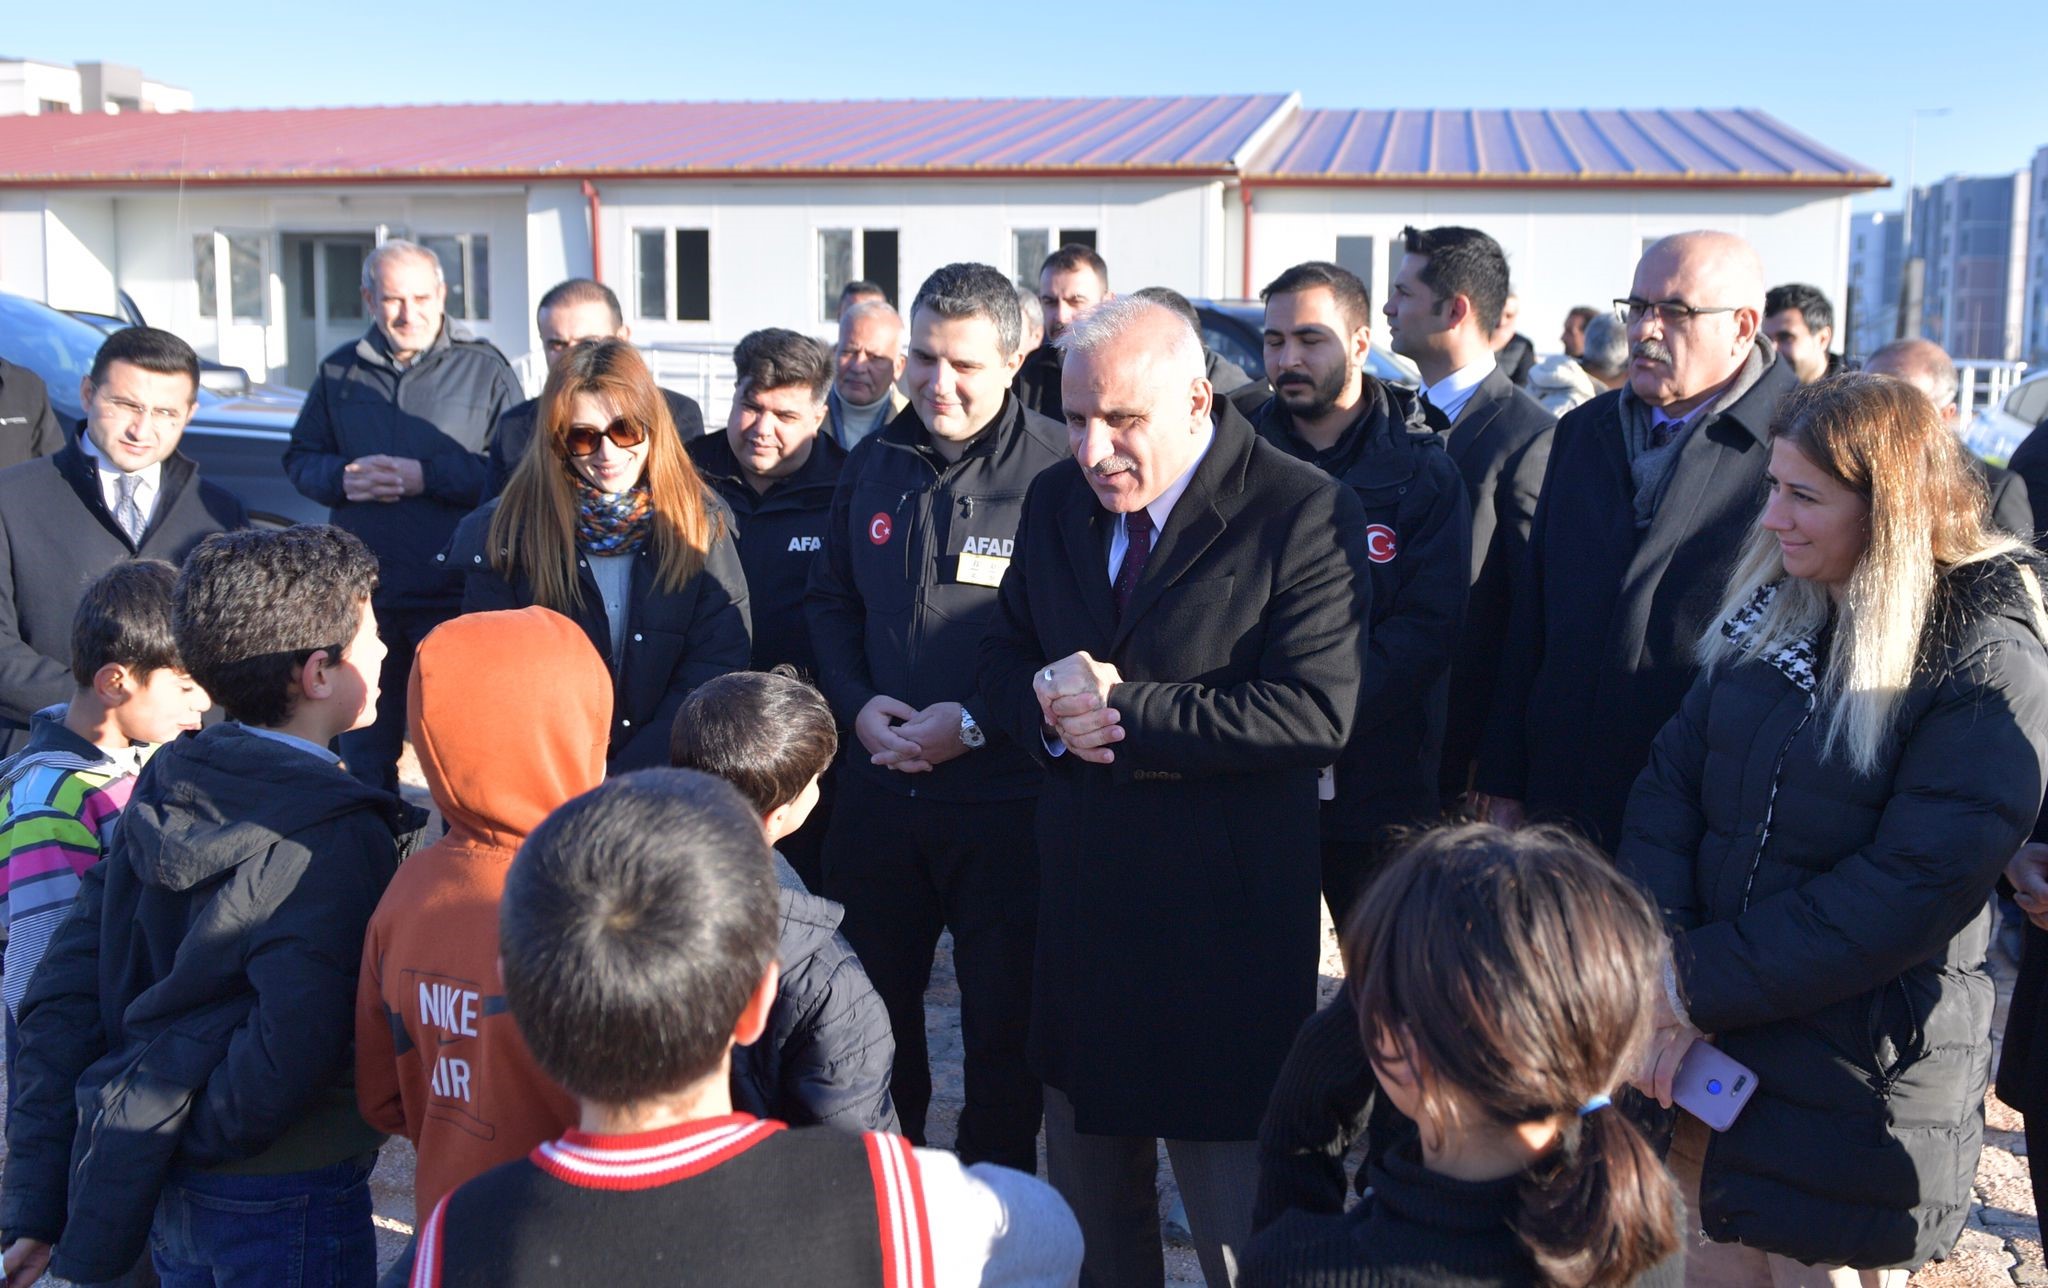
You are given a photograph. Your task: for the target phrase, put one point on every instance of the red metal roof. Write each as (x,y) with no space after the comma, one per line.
(1487,148)
(933,137)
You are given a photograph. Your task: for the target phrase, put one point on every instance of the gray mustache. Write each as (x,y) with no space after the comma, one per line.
(1110,465)
(1651,349)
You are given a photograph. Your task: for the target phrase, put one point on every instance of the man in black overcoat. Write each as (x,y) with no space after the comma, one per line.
(1446,301)
(1179,639)
(1651,491)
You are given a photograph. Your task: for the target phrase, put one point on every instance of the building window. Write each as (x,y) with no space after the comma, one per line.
(58,107)
(246,275)
(1355,253)
(681,295)
(847,255)
(693,274)
(466,264)
(1031,246)
(652,254)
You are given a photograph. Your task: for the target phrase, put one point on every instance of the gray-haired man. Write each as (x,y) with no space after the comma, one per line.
(392,438)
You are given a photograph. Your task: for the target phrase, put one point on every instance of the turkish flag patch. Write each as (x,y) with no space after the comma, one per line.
(1380,546)
(879,529)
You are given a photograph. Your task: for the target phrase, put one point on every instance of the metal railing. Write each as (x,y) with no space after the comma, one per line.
(1984,382)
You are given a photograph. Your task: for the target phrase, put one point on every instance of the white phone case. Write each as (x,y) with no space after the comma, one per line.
(1711,1086)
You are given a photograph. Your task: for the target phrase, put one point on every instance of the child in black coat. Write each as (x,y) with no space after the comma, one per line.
(1501,983)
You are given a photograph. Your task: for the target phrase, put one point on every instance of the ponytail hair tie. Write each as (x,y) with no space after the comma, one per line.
(1595,1105)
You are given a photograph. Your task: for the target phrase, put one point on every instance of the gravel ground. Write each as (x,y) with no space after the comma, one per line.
(2000,1246)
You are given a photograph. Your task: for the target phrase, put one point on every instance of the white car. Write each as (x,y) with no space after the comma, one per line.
(1994,432)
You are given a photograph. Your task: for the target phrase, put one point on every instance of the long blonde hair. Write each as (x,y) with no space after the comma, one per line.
(534,531)
(1882,439)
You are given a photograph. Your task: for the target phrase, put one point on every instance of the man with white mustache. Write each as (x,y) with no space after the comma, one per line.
(1651,488)
(1179,641)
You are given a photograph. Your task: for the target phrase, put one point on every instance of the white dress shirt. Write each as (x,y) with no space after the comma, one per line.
(1450,394)
(1161,506)
(146,480)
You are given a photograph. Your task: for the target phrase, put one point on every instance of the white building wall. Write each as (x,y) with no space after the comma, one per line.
(25,86)
(23,268)
(165,98)
(1564,248)
(764,237)
(156,232)
(80,250)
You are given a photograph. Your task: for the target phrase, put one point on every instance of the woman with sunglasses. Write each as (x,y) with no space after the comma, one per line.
(606,522)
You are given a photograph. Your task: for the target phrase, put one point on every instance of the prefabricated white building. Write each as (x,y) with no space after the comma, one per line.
(244,231)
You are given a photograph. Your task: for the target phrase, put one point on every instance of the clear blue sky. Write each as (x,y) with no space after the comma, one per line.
(1848,77)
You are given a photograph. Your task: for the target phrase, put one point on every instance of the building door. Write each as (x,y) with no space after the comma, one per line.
(325,298)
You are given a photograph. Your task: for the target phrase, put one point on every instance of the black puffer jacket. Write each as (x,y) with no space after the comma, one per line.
(674,639)
(1419,542)
(1830,927)
(201,996)
(828,1050)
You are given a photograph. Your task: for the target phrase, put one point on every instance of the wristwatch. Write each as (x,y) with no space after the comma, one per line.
(971,735)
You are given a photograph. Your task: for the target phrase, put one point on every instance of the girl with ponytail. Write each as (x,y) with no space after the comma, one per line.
(1504,988)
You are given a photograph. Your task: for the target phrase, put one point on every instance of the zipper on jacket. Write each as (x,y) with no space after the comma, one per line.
(1763,831)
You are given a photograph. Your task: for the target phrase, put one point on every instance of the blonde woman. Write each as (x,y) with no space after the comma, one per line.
(1821,823)
(606,522)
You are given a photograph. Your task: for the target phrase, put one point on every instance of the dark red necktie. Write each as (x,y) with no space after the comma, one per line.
(1138,528)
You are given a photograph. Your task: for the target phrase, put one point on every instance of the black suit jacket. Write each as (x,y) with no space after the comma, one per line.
(56,536)
(1599,652)
(1501,443)
(1177,944)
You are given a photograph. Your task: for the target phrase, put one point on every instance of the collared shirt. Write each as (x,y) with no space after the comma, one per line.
(306,745)
(146,479)
(1160,507)
(1450,394)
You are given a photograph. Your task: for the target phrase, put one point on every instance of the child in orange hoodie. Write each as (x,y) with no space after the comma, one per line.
(510,713)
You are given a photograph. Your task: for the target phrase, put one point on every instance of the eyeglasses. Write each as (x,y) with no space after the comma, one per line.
(581,440)
(1669,312)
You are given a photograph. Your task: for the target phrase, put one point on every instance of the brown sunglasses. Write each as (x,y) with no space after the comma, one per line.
(581,440)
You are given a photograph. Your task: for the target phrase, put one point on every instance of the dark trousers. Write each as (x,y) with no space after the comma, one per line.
(2037,1147)
(371,753)
(1112,1184)
(1349,868)
(906,869)
(294,1230)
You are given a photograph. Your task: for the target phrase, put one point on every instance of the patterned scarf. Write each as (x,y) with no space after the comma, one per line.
(1796,661)
(611,523)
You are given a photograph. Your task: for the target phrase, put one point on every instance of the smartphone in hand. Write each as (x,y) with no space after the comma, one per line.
(1711,1086)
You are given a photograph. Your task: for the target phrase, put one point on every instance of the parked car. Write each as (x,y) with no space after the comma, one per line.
(238,441)
(1994,432)
(217,376)
(1236,329)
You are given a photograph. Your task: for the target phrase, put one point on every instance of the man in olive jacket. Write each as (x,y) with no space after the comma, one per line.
(1183,692)
(393,437)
